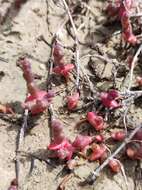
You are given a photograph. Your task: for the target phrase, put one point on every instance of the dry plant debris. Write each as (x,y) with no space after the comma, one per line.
(98,85)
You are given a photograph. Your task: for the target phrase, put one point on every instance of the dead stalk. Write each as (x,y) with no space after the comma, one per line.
(125,118)
(20,138)
(23,128)
(133,65)
(77,54)
(92,177)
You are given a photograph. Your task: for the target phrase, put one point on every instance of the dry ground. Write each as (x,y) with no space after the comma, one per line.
(19,35)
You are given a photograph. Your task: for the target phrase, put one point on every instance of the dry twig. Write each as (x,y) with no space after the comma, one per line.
(77,56)
(20,138)
(133,65)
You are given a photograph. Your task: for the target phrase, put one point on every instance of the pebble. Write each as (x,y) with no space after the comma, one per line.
(42,67)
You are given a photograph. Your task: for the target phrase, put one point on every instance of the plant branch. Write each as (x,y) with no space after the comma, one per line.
(77,56)
(20,138)
(133,65)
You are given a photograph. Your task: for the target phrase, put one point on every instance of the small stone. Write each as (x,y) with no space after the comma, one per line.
(42,67)
(108,71)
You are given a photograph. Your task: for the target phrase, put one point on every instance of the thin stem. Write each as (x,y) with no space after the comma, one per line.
(125,117)
(70,17)
(77,56)
(51,116)
(20,138)
(23,128)
(123,173)
(133,65)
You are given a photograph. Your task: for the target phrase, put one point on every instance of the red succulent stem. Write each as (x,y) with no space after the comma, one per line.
(13,185)
(37,100)
(28,76)
(18,3)
(121,10)
(92,177)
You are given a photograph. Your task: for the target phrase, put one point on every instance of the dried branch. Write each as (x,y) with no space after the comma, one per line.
(20,138)
(22,130)
(133,65)
(77,56)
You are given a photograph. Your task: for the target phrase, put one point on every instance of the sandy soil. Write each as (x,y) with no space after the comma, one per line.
(19,35)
